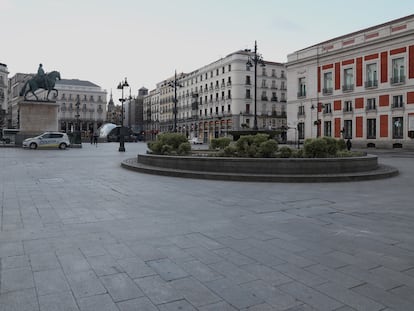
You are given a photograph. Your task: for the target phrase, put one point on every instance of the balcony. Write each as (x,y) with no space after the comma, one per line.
(347,110)
(327,91)
(397,106)
(273,99)
(248,96)
(301,94)
(248,83)
(371,84)
(228,83)
(398,80)
(264,98)
(371,108)
(301,114)
(347,88)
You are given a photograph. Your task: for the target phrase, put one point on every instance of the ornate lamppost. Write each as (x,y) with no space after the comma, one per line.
(123,84)
(175,84)
(252,61)
(77,133)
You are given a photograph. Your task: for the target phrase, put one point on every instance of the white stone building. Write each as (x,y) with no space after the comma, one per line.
(358,86)
(219,97)
(92,105)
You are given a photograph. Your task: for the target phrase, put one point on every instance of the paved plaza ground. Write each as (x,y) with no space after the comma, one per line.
(78,232)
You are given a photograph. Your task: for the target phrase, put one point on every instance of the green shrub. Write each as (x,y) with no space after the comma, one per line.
(167,143)
(286,152)
(230,151)
(298,153)
(341,144)
(315,148)
(268,148)
(184,148)
(331,145)
(220,143)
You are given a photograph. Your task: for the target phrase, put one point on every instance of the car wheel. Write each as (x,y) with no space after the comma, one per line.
(7,140)
(33,146)
(62,146)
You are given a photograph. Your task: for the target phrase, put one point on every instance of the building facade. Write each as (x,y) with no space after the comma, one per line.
(220,97)
(4,73)
(358,86)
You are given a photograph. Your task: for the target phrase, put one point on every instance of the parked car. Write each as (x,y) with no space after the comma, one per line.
(48,140)
(195,141)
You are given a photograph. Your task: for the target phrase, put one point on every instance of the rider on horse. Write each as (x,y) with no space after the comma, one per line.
(41,76)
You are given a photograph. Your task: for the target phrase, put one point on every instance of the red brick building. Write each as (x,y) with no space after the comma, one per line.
(358,86)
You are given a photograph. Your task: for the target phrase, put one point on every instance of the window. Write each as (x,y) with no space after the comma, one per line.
(228,108)
(263,83)
(222,95)
(229,81)
(274,84)
(397,101)
(229,67)
(274,97)
(398,71)
(327,108)
(301,111)
(348,80)
(371,104)
(371,128)
(372,78)
(205,111)
(327,83)
(228,94)
(222,70)
(302,87)
(397,127)
(247,93)
(264,95)
(347,129)
(327,128)
(247,108)
(301,130)
(248,80)
(217,72)
(217,110)
(264,71)
(282,74)
(347,106)
(273,72)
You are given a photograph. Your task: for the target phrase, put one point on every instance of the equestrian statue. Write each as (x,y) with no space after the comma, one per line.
(42,80)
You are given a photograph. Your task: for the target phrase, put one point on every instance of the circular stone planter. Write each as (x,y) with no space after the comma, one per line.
(263,169)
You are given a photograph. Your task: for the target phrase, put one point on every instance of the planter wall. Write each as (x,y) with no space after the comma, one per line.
(271,166)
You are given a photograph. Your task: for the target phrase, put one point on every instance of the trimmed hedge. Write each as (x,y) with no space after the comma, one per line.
(170,144)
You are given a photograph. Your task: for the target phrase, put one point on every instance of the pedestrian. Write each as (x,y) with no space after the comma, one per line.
(348,144)
(95,138)
(91,136)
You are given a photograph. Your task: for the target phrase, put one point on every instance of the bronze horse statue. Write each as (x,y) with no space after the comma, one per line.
(47,82)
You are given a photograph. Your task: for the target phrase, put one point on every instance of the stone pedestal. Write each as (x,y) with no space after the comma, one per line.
(38,117)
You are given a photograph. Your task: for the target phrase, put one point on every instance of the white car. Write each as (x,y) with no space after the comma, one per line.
(48,140)
(195,141)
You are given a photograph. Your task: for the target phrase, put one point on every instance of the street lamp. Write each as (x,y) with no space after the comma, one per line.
(121,86)
(252,61)
(77,116)
(175,84)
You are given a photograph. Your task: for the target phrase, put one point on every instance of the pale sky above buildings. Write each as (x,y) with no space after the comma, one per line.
(104,41)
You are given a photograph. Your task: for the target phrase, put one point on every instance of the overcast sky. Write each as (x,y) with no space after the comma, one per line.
(104,41)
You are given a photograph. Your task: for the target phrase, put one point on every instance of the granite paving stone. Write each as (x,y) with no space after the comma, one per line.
(167,269)
(233,272)
(223,306)
(180,305)
(349,298)
(195,292)
(135,267)
(104,265)
(85,283)
(16,279)
(44,261)
(58,302)
(13,262)
(50,281)
(311,296)
(200,271)
(158,290)
(22,300)
(121,287)
(138,304)
(97,303)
